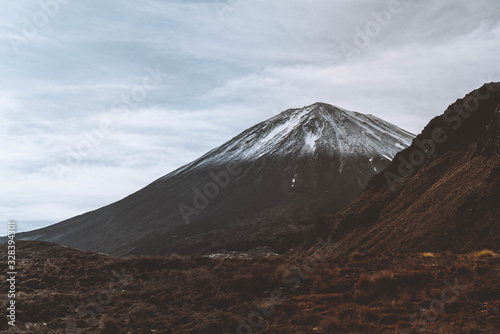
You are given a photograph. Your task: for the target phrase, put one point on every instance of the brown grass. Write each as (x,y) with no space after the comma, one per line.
(355,294)
(485,253)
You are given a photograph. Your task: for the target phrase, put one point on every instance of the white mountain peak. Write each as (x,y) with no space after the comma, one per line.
(313,129)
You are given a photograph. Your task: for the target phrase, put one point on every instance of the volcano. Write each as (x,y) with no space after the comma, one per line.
(262,188)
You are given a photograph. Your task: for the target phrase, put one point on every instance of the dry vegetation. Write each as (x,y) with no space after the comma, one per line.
(63,290)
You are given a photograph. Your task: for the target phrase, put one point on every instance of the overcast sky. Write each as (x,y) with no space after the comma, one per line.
(100,98)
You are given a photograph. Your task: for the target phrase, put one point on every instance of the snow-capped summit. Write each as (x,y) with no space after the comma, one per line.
(253,189)
(318,128)
(322,126)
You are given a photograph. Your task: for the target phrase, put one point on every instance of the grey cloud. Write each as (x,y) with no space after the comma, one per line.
(224,73)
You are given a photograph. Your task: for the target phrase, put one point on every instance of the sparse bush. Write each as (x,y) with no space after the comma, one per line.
(332,324)
(142,310)
(305,319)
(465,270)
(414,279)
(109,326)
(389,319)
(384,283)
(356,257)
(364,283)
(405,298)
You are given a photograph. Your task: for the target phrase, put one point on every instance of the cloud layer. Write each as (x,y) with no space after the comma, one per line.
(77,77)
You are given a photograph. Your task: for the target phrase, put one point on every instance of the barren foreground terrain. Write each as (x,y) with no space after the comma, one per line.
(64,290)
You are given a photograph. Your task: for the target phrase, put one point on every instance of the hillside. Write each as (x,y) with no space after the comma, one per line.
(440,194)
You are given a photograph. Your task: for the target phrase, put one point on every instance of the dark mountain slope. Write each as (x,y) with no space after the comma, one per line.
(440,194)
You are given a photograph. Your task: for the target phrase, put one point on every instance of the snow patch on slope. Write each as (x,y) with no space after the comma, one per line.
(310,140)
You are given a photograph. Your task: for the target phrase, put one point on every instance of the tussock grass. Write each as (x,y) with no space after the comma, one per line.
(485,253)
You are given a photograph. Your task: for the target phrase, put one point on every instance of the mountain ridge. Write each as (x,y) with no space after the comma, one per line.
(442,193)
